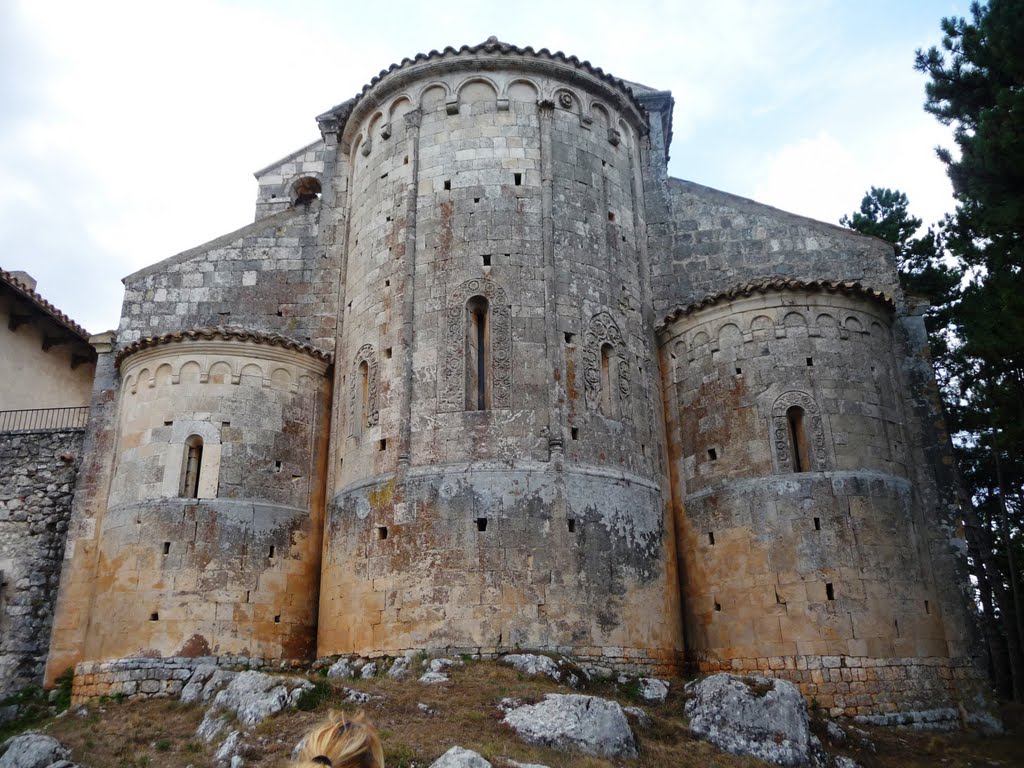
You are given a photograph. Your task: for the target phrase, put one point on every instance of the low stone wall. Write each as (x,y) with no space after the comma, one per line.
(37,481)
(898,691)
(148,678)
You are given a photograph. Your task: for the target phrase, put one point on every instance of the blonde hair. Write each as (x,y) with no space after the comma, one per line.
(344,742)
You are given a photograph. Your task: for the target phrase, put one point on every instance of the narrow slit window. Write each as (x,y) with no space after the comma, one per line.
(711,538)
(193,467)
(154,616)
(447,184)
(364,398)
(481,524)
(927,607)
(383,444)
(810,362)
(830,591)
(382,532)
(518,178)
(607,376)
(574,433)
(478,362)
(167,547)
(718,606)
(572,526)
(817,523)
(798,439)
(273,551)
(712,454)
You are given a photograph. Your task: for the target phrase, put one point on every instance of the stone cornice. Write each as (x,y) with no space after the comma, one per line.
(222,334)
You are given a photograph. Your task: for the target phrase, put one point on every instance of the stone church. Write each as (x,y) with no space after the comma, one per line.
(481,377)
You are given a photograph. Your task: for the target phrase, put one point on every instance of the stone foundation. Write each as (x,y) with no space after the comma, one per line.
(893,691)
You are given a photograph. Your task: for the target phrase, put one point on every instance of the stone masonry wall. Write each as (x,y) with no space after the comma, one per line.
(37,476)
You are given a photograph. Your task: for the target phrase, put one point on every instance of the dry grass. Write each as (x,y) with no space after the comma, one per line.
(160,734)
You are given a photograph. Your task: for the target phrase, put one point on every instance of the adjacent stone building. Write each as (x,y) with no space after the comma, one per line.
(482,377)
(46,371)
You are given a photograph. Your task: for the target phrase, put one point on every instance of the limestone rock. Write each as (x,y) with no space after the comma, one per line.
(226,751)
(841,761)
(32,750)
(514,764)
(356,697)
(757,716)
(194,690)
(457,757)
(429,678)
(341,668)
(440,665)
(211,726)
(400,668)
(255,696)
(653,690)
(368,670)
(835,734)
(560,670)
(571,721)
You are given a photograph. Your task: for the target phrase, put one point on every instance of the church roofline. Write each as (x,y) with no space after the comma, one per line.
(777,284)
(220,332)
(286,158)
(41,305)
(334,118)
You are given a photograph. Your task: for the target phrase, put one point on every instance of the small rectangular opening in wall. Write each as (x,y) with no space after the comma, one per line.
(481,524)
(643,449)
(154,616)
(382,532)
(739,371)
(574,433)
(518,178)
(167,547)
(611,215)
(273,551)
(405,160)
(247,595)
(225,423)
(830,592)
(277,466)
(389,218)
(711,538)
(927,607)
(817,523)
(387,283)
(718,606)
(387,353)
(810,361)
(168,423)
(572,525)
(570,338)
(896,624)
(383,444)
(224,314)
(447,184)
(486,259)
(384,175)
(476,199)
(712,454)
(349,305)
(277,619)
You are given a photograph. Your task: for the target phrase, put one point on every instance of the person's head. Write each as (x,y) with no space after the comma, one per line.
(342,742)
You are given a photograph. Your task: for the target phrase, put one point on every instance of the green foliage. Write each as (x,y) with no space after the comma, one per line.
(312,698)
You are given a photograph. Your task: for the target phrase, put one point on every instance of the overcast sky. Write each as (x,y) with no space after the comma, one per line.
(129,130)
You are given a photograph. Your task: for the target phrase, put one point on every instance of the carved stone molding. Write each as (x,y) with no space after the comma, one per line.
(812,423)
(604,330)
(368,355)
(452,386)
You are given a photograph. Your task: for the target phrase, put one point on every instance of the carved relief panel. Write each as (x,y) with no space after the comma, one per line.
(452,394)
(363,409)
(784,442)
(606,369)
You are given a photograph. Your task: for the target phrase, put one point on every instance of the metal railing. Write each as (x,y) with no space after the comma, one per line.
(44,420)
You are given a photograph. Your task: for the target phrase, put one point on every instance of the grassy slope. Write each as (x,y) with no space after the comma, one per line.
(159,734)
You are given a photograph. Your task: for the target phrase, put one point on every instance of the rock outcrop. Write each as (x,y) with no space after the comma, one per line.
(586,724)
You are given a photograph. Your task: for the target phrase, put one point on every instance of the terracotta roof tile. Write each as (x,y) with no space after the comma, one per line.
(771,284)
(220,332)
(43,305)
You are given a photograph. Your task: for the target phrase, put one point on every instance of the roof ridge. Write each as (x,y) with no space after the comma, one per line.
(490,45)
(32,295)
(777,283)
(222,332)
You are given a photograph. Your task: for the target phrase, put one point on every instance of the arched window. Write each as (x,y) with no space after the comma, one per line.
(799,455)
(363,395)
(305,190)
(193,465)
(607,404)
(478,364)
